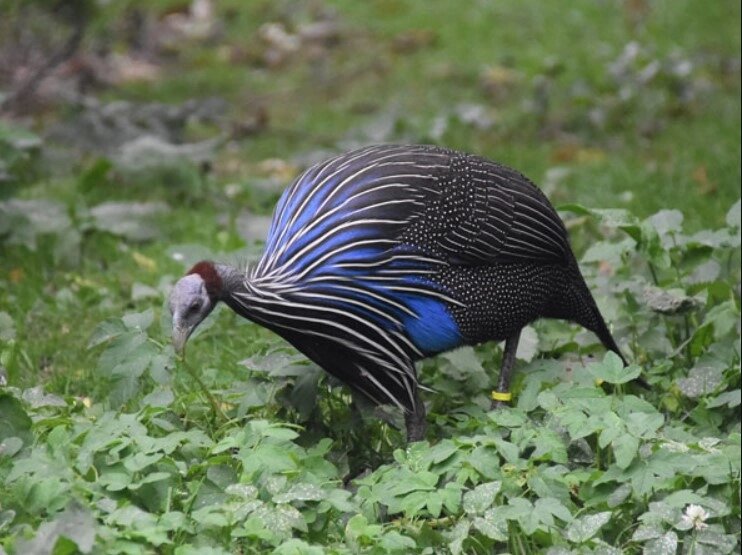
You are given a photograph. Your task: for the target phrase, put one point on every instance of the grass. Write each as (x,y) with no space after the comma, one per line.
(541,73)
(691,165)
(313,102)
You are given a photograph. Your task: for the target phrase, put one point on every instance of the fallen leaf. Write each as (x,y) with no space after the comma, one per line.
(144,262)
(605,268)
(127,69)
(497,79)
(279,169)
(705,186)
(412,40)
(16,275)
(580,155)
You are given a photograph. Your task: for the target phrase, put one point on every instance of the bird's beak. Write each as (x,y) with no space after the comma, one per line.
(180,336)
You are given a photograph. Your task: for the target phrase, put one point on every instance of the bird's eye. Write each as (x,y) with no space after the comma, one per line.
(194,307)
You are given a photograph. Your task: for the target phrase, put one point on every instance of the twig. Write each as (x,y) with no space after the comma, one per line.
(17,98)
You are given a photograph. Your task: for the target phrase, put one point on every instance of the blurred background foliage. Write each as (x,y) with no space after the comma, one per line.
(629,103)
(169,123)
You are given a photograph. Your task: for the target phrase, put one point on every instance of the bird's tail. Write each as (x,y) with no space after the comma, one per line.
(588,315)
(599,328)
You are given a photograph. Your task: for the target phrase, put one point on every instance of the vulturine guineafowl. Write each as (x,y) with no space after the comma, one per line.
(389,254)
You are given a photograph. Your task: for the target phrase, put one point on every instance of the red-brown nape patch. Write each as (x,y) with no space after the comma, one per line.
(211,278)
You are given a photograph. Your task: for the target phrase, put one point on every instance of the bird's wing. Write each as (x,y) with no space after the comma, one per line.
(352,207)
(457,208)
(478,212)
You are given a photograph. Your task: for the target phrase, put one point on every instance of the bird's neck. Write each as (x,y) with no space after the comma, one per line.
(244,294)
(232,281)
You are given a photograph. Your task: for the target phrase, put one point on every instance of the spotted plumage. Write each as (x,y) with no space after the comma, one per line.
(388,254)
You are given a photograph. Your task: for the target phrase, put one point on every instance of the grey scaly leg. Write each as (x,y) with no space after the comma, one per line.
(415,420)
(508,361)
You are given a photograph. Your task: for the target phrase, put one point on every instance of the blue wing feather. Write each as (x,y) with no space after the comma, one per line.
(338,226)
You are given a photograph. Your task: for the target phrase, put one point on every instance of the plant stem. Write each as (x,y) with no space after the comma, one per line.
(212,400)
(654,273)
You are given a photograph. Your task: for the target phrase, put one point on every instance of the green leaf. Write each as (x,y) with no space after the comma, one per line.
(160,397)
(509,451)
(435,504)
(115,481)
(14,422)
(667,221)
(609,217)
(301,492)
(295,546)
(464,364)
(644,424)
(9,446)
(549,446)
(358,528)
(649,531)
(393,541)
(625,448)
(7,327)
(107,330)
(277,431)
(75,524)
(6,519)
(528,344)
(528,398)
(140,461)
(451,495)
(121,350)
(608,252)
(584,528)
(612,370)
(702,379)
(18,137)
(613,427)
(138,320)
(508,417)
(733,216)
(722,543)
(458,535)
(545,507)
(724,317)
(666,544)
(619,495)
(493,525)
(278,364)
(211,516)
(729,399)
(481,497)
(154,477)
(134,221)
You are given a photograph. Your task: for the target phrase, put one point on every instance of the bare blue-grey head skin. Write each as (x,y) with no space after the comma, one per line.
(190,303)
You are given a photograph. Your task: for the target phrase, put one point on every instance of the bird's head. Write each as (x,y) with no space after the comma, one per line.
(192,299)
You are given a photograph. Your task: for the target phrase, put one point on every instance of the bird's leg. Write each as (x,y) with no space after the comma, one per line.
(415,420)
(502,394)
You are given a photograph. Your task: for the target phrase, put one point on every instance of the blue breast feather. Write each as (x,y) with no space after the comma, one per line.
(434,330)
(338,232)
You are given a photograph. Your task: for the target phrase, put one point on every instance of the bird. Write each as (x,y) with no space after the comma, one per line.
(389,254)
